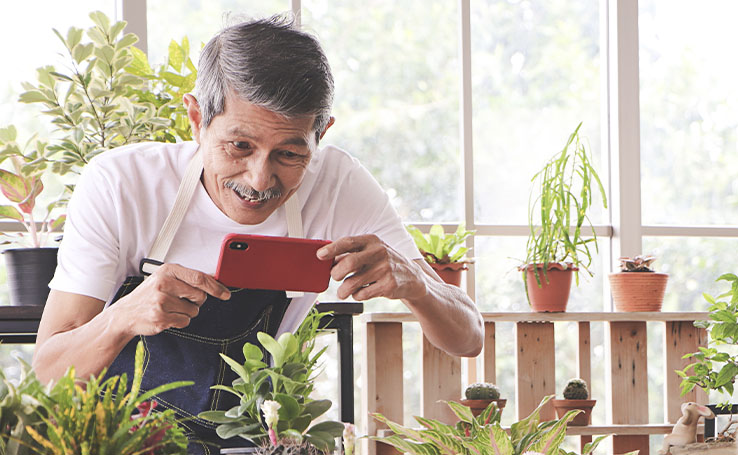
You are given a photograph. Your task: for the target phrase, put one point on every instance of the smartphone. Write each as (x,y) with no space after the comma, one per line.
(274,263)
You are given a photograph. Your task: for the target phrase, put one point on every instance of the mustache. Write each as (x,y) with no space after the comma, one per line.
(247,192)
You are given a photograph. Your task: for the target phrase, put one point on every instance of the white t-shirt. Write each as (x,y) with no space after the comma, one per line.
(124,196)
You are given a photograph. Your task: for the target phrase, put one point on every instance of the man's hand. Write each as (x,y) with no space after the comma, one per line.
(371,268)
(170,297)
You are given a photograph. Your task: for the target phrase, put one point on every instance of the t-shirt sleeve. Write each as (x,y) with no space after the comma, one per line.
(363,207)
(89,258)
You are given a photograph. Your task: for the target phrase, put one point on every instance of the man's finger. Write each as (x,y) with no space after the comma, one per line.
(199,280)
(344,245)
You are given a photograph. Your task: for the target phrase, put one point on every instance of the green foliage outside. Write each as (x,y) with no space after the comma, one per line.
(714,369)
(98,417)
(289,382)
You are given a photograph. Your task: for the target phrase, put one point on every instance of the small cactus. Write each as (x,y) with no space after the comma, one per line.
(576,389)
(482,391)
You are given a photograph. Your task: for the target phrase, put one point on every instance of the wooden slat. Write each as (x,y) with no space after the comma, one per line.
(680,338)
(489,360)
(584,355)
(600,316)
(441,380)
(629,382)
(535,372)
(382,372)
(598,430)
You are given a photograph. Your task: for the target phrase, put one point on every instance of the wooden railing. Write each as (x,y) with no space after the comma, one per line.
(626,342)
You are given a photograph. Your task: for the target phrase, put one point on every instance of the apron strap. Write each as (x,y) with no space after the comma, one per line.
(186,190)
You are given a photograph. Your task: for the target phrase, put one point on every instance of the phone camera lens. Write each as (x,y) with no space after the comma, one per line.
(238,245)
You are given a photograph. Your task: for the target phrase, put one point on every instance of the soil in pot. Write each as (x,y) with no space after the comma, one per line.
(29,273)
(638,291)
(583,418)
(553,294)
(477,406)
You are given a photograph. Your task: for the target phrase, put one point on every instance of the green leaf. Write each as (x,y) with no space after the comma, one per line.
(215,417)
(252,352)
(32,96)
(82,52)
(101,20)
(8,211)
(273,347)
(8,134)
(331,427)
(176,56)
(289,408)
(317,408)
(236,367)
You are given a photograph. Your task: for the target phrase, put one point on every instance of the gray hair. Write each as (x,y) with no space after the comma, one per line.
(269,63)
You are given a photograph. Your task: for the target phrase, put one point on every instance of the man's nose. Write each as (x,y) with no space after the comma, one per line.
(261,173)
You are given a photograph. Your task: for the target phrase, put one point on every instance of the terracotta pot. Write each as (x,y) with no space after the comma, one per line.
(638,291)
(477,406)
(583,418)
(553,294)
(450,273)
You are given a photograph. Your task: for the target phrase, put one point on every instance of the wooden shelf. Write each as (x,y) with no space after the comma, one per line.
(601,316)
(598,430)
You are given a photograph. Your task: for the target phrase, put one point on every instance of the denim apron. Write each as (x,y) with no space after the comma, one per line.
(192,353)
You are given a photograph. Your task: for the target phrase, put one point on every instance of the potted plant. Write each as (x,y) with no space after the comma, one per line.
(96,416)
(715,367)
(31,264)
(638,287)
(109,96)
(483,435)
(276,412)
(479,396)
(444,252)
(558,221)
(576,396)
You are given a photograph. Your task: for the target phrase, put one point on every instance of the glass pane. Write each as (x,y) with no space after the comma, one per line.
(397,91)
(693,265)
(689,112)
(26,30)
(199,20)
(499,285)
(9,355)
(535,76)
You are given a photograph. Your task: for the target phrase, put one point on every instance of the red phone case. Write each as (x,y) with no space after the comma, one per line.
(274,263)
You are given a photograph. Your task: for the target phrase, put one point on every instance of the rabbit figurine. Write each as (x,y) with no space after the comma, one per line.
(685,430)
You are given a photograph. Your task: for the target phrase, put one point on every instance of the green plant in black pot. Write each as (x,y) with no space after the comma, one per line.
(561,233)
(282,393)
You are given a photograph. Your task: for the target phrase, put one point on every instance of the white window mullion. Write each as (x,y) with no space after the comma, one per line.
(134,12)
(624,127)
(465,118)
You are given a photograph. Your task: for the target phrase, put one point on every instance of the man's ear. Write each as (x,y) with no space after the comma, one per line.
(331,121)
(194,114)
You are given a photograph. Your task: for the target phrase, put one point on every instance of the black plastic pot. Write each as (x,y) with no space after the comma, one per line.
(29,272)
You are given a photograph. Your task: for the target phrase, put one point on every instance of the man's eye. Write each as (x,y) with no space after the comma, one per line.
(288,154)
(241,145)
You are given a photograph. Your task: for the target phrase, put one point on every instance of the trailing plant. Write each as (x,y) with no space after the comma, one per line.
(286,386)
(713,368)
(576,389)
(560,228)
(482,435)
(638,263)
(21,186)
(439,247)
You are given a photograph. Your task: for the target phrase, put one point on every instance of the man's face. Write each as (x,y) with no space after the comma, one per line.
(254,160)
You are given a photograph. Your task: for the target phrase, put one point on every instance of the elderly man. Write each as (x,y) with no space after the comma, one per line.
(262,104)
